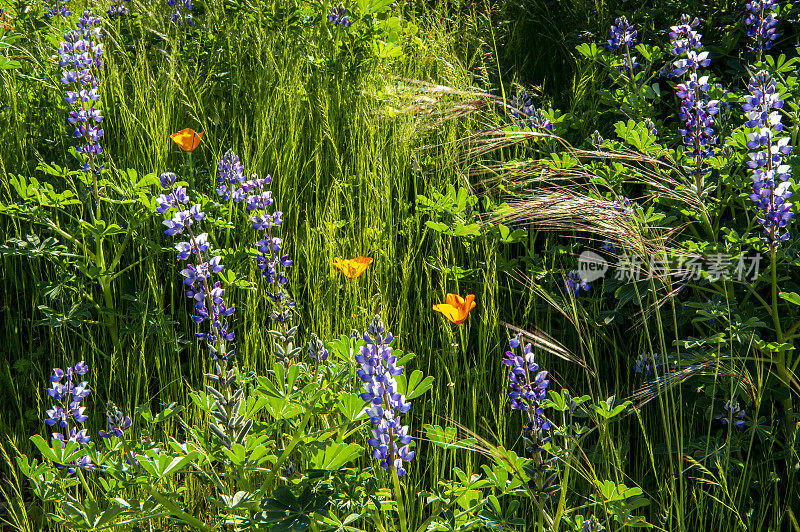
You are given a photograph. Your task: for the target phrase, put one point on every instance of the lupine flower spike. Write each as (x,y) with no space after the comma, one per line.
(182,16)
(697,111)
(58,8)
(352,268)
(528,116)
(67,412)
(208,296)
(622,37)
(385,405)
(574,284)
(761,21)
(116,422)
(771,177)
(339,17)
(118,8)
(81,62)
(592,525)
(456,308)
(732,413)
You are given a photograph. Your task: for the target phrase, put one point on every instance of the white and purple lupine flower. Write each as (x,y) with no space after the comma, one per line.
(761,21)
(67,411)
(732,412)
(622,37)
(528,386)
(527,115)
(697,111)
(574,284)
(271,261)
(230,177)
(208,297)
(771,177)
(385,405)
(81,60)
(182,16)
(339,17)
(59,8)
(118,8)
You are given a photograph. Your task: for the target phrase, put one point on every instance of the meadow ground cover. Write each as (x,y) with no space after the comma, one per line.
(374,265)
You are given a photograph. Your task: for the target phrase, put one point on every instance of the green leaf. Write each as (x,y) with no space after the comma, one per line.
(791,297)
(415,385)
(335,455)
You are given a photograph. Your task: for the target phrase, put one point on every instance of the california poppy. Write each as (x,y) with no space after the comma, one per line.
(456,308)
(352,268)
(188,139)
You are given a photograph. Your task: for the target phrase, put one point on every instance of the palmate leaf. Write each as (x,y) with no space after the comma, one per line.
(414,385)
(334,456)
(283,512)
(351,405)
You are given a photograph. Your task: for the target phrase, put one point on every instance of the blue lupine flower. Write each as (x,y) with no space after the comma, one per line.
(761,21)
(339,17)
(732,412)
(80,58)
(527,115)
(645,363)
(528,386)
(116,422)
(68,395)
(771,177)
(182,16)
(209,299)
(59,8)
(230,175)
(574,284)
(118,9)
(622,39)
(390,440)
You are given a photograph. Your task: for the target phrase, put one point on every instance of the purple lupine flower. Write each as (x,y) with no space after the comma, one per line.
(644,363)
(67,411)
(527,115)
(339,17)
(118,8)
(771,177)
(182,16)
(697,111)
(622,39)
(574,284)
(316,349)
(592,525)
(209,298)
(385,405)
(116,422)
(528,386)
(732,412)
(81,60)
(230,175)
(761,21)
(59,8)
(271,260)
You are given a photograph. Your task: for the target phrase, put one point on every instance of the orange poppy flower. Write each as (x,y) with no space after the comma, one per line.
(352,268)
(456,308)
(188,139)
